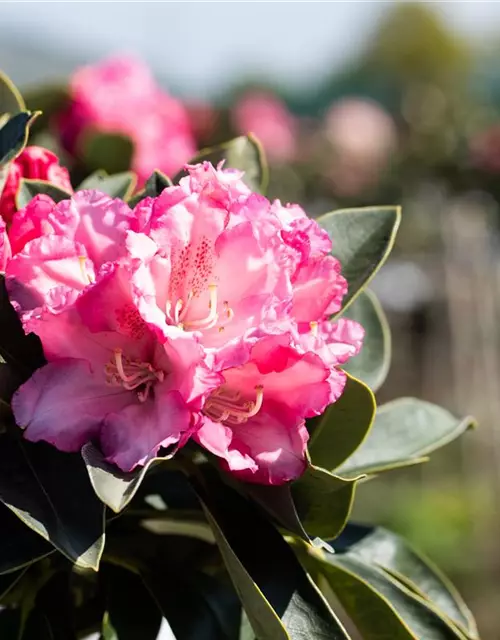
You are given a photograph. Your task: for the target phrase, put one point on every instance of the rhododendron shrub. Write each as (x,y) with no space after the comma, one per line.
(187,406)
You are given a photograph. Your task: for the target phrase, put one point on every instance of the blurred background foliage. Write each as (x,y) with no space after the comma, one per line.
(413,118)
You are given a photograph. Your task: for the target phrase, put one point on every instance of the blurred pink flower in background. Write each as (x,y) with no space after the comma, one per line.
(266,116)
(362,135)
(120,95)
(35,163)
(204,119)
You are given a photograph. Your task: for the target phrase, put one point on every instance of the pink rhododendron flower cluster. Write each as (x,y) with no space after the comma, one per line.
(201,314)
(264,115)
(35,163)
(120,95)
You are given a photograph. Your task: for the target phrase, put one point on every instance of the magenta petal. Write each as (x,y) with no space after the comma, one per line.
(64,403)
(217,438)
(134,435)
(275,444)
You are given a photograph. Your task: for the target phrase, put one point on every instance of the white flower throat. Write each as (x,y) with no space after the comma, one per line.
(177,312)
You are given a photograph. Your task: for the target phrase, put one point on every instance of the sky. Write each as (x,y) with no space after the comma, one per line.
(200,46)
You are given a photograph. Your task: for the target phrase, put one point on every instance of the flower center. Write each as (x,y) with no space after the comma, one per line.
(226,405)
(132,375)
(177,313)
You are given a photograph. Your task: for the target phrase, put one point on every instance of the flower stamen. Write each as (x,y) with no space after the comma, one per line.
(209,320)
(85,274)
(225,405)
(132,375)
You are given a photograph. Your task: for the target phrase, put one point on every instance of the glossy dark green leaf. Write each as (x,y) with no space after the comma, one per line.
(8,582)
(278,502)
(14,135)
(19,545)
(22,353)
(11,100)
(109,151)
(404,432)
(244,153)
(362,240)
(119,185)
(52,614)
(371,365)
(343,427)
(279,598)
(380,606)
(199,607)
(131,612)
(323,502)
(28,189)
(384,549)
(155,184)
(39,484)
(115,488)
(190,524)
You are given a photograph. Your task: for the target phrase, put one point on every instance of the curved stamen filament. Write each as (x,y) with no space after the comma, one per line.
(185,307)
(211,319)
(224,405)
(314,328)
(85,275)
(132,375)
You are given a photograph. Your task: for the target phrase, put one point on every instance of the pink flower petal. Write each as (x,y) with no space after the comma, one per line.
(64,403)
(135,434)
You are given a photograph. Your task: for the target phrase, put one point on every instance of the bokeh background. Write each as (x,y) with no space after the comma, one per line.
(356,103)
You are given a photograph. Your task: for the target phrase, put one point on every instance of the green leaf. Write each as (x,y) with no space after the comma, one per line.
(50,492)
(244,153)
(386,550)
(11,101)
(131,612)
(380,607)
(23,353)
(109,151)
(362,240)
(52,616)
(323,502)
(113,487)
(278,596)
(154,186)
(8,581)
(119,185)
(19,545)
(28,189)
(404,432)
(278,502)
(371,365)
(199,608)
(343,427)
(14,135)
